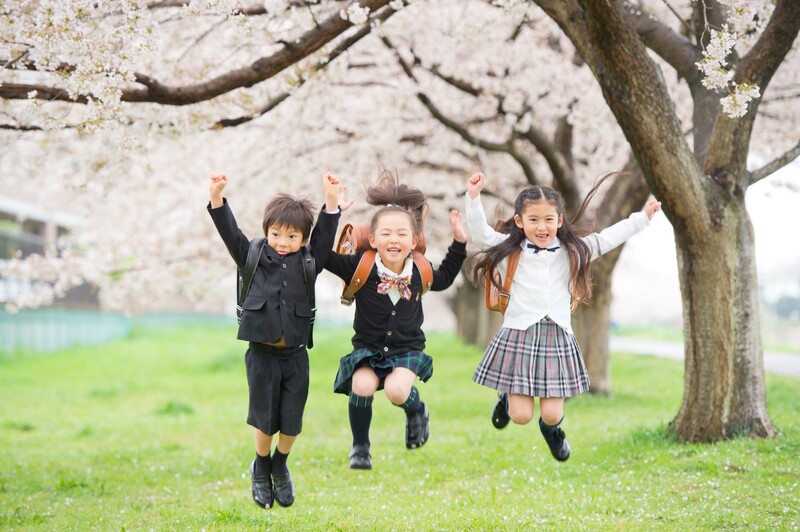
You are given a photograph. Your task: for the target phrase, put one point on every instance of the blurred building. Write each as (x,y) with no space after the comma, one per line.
(25,229)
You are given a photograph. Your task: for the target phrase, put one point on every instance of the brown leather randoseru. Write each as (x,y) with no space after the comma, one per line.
(496,299)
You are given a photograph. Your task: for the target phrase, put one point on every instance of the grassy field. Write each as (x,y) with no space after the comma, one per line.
(149,433)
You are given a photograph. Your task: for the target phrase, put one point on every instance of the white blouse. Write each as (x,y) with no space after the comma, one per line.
(541,283)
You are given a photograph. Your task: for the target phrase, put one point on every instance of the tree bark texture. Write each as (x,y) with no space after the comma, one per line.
(724,393)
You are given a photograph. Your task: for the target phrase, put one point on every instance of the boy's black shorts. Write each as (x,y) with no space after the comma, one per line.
(278,384)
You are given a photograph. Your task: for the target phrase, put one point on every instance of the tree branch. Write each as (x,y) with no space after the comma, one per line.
(757,67)
(318,66)
(775,164)
(671,46)
(260,70)
(505,147)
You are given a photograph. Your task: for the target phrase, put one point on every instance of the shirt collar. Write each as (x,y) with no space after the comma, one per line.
(554,243)
(407,267)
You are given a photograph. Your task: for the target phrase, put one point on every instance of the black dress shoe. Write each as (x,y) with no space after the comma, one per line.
(261,488)
(417,428)
(283,487)
(360,457)
(500,413)
(556,440)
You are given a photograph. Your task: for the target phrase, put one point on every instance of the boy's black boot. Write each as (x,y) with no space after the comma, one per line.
(261,487)
(282,480)
(556,440)
(360,457)
(417,428)
(500,413)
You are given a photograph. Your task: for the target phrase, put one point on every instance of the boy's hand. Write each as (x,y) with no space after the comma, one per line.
(331,184)
(216,185)
(457,224)
(475,184)
(651,208)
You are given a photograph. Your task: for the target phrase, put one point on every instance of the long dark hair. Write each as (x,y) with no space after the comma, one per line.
(391,196)
(569,234)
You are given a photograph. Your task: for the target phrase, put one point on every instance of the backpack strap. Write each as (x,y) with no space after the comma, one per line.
(346,244)
(365,264)
(245,278)
(425,270)
(505,294)
(310,275)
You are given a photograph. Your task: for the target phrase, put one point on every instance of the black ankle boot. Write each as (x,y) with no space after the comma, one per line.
(360,458)
(417,428)
(556,440)
(500,413)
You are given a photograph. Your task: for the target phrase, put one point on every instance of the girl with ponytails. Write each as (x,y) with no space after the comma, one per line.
(535,353)
(389,345)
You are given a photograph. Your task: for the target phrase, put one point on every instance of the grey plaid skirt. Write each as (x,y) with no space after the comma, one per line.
(542,361)
(416,361)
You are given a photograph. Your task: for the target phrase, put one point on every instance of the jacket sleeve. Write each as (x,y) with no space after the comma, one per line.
(343,266)
(236,242)
(323,237)
(448,270)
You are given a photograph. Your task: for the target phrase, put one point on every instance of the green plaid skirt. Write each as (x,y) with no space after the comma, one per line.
(417,361)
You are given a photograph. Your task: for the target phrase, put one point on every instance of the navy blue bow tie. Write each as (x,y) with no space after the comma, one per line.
(537,249)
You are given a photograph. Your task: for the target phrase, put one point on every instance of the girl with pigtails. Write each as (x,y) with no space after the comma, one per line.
(535,353)
(388,344)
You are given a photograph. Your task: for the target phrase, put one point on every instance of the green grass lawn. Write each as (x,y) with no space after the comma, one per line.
(149,433)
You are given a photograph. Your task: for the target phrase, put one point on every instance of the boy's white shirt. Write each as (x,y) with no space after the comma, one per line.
(394,293)
(541,283)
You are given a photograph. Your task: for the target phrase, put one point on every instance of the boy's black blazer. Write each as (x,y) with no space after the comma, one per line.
(277,305)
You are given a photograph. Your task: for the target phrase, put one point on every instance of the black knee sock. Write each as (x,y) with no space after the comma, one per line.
(279,461)
(413,404)
(263,465)
(360,418)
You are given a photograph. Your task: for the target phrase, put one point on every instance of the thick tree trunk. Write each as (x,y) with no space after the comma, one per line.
(724,380)
(475,323)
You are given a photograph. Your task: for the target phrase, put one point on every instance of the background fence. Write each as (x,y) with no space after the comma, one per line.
(49,329)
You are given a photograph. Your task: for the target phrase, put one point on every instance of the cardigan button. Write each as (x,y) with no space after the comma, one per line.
(283,265)
(385,348)
(285,283)
(389,333)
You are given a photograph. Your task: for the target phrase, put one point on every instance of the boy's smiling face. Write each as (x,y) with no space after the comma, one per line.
(394,239)
(285,240)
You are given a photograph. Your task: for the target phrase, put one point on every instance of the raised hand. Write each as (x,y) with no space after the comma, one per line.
(344,203)
(331,184)
(651,208)
(215,186)
(475,184)
(457,225)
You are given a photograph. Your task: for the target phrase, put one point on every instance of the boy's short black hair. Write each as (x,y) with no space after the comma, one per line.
(287,211)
